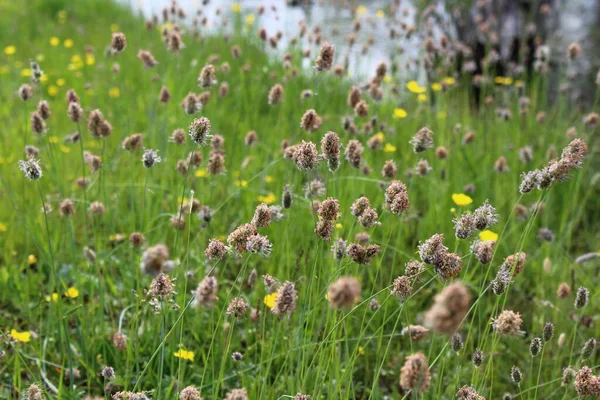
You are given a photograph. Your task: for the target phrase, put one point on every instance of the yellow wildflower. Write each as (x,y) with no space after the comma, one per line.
(414,87)
(60,82)
(72,292)
(387,79)
(201,173)
(185,354)
(268,199)
(25,72)
(380,13)
(361,350)
(400,113)
(52,90)
(68,43)
(461,199)
(422,98)
(54,41)
(436,87)
(22,337)
(270,300)
(339,226)
(53,297)
(53,139)
(3,227)
(31,259)
(114,92)
(39,58)
(250,19)
(449,80)
(488,235)
(44,78)
(389,148)
(10,50)
(236,8)
(90,59)
(64,148)
(241,183)
(361,10)
(269,179)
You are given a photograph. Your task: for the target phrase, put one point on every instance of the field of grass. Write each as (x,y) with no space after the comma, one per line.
(75,293)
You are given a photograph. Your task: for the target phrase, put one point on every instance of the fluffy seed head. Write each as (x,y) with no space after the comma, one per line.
(508,323)
(449,308)
(306,156)
(286,299)
(276,94)
(414,374)
(31,169)
(206,293)
(199,131)
(325,59)
(354,152)
(344,293)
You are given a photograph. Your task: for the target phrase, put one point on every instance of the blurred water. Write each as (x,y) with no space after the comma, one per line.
(331,18)
(570,20)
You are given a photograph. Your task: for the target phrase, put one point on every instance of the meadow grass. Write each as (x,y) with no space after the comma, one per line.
(65,307)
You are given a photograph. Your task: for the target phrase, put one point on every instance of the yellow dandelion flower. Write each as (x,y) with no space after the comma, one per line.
(72,292)
(488,235)
(422,98)
(53,139)
(25,72)
(360,10)
(236,8)
(31,259)
(270,300)
(361,350)
(53,298)
(387,79)
(201,173)
(389,148)
(185,354)
(68,43)
(3,227)
(54,41)
(339,226)
(60,82)
(64,148)
(269,179)
(400,113)
(380,14)
(250,19)
(449,80)
(4,70)
(268,199)
(114,28)
(10,50)
(114,92)
(452,210)
(44,78)
(414,87)
(52,90)
(436,87)
(90,59)
(461,199)
(241,183)
(22,337)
